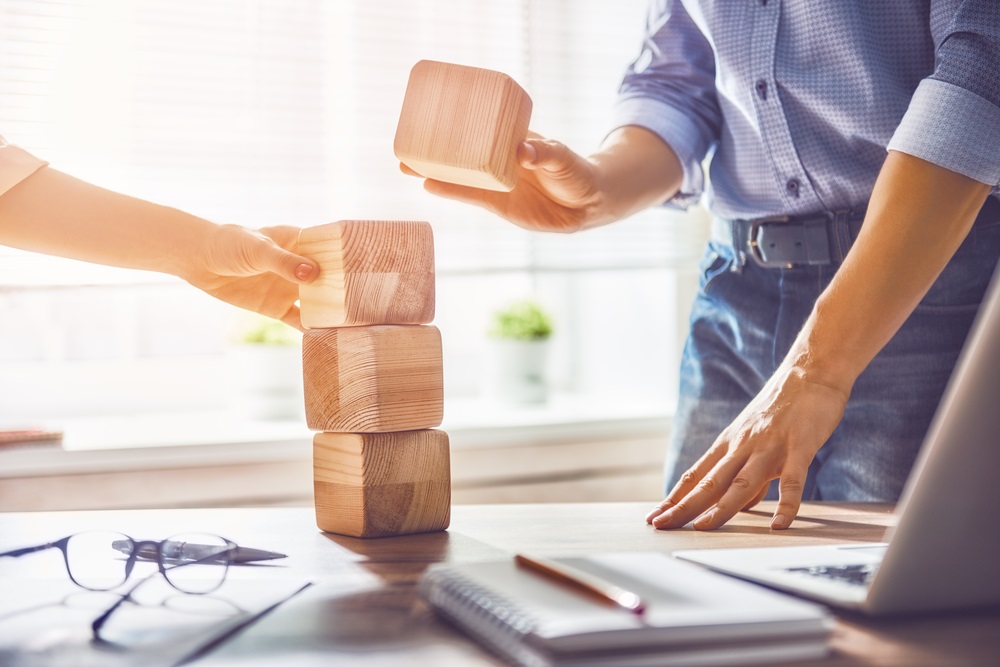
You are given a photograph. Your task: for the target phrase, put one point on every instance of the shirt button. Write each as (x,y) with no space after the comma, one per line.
(761,88)
(792,185)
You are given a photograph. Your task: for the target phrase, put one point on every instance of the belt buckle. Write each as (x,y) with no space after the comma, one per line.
(802,241)
(754,244)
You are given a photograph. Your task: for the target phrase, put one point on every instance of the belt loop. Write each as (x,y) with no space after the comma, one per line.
(738,249)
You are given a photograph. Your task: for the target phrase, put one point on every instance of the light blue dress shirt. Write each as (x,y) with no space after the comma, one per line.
(799,99)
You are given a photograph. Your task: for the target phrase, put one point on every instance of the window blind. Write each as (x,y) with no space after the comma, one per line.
(268,112)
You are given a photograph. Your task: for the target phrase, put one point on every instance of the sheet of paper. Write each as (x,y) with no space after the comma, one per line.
(348,621)
(46,622)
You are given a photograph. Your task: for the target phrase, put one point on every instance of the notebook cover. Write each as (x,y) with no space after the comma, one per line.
(534,620)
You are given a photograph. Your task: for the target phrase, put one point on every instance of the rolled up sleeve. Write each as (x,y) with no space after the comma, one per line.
(670,91)
(16,164)
(953,119)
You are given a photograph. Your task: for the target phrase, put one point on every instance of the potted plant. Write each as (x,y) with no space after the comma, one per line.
(265,363)
(520,337)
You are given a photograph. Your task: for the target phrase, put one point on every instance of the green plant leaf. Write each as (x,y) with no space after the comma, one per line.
(524,320)
(266,331)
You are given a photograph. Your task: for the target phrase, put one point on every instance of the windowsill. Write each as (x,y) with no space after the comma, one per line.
(204,439)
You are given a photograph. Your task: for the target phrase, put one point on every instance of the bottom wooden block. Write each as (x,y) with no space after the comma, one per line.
(382,484)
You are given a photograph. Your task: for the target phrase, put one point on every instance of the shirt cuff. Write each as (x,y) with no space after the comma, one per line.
(16,164)
(953,128)
(678,131)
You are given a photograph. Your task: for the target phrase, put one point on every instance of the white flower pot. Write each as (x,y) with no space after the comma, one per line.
(518,371)
(266,381)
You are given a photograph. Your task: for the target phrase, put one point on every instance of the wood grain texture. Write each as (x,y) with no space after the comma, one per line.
(388,624)
(382,484)
(462,125)
(371,272)
(373,379)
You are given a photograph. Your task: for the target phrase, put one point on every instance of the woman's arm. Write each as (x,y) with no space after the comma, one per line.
(53,213)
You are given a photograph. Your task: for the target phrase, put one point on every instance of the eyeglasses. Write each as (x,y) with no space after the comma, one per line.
(194,563)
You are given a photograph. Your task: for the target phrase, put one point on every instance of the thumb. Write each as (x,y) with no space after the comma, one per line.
(265,255)
(546,154)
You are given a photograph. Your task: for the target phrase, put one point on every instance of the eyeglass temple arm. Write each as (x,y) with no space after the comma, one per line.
(100,620)
(16,553)
(127,595)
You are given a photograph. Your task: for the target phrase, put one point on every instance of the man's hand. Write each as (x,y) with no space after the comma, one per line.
(918,216)
(255,270)
(556,189)
(560,191)
(776,436)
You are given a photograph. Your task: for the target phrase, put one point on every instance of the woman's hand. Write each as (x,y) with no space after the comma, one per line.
(54,213)
(256,270)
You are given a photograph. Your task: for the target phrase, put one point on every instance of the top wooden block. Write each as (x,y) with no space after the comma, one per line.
(462,125)
(370,272)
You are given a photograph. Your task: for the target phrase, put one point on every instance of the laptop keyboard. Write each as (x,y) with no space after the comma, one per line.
(859,575)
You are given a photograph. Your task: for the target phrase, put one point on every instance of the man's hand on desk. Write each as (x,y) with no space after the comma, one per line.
(776,436)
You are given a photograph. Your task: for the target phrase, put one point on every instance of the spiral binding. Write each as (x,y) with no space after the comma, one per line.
(496,621)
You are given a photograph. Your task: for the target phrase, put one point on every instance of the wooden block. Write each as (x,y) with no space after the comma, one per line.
(462,125)
(381,484)
(373,379)
(371,272)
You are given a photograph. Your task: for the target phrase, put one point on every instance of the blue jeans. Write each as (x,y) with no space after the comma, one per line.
(744,320)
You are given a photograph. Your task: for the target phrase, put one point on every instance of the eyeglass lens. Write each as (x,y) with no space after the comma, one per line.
(93,562)
(195,562)
(192,562)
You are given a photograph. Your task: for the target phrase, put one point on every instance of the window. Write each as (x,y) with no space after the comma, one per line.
(263,112)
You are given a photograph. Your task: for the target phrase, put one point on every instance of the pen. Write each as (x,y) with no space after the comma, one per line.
(201,551)
(605,591)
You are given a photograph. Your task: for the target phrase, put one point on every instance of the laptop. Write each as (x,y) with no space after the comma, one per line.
(944,552)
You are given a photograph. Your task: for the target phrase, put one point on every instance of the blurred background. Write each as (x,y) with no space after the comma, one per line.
(263,112)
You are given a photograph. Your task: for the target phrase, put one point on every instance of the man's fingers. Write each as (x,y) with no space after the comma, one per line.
(759,497)
(705,494)
(409,172)
(688,481)
(487,199)
(744,487)
(790,488)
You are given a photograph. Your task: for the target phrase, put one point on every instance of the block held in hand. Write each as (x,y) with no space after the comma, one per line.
(462,125)
(371,272)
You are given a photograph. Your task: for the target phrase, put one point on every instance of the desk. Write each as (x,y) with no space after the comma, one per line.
(385,625)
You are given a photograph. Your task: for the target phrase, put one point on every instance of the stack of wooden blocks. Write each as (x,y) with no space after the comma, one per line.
(373,379)
(371,364)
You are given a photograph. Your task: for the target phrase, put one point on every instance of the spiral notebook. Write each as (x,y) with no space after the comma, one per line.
(693,616)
